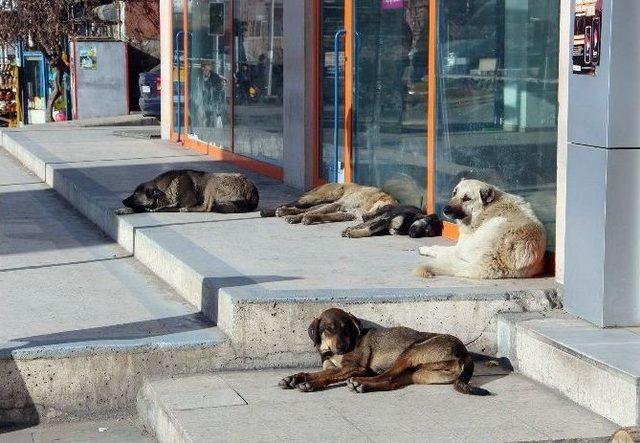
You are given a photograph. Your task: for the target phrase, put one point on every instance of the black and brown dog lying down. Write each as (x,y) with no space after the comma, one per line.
(382,359)
(193,191)
(397,220)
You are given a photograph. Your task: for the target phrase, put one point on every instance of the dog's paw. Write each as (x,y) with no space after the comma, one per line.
(184,209)
(123,211)
(356,386)
(292,381)
(280,212)
(307,220)
(423,272)
(287,382)
(305,387)
(347,233)
(293,219)
(428,251)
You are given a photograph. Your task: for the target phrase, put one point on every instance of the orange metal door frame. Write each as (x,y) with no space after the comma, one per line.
(432,36)
(348,89)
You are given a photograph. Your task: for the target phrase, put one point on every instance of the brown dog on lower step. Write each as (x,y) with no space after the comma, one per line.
(382,359)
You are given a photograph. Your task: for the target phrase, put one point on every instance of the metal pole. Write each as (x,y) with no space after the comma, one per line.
(271,36)
(336,102)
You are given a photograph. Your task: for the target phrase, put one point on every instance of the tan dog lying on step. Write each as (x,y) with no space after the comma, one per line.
(382,359)
(333,202)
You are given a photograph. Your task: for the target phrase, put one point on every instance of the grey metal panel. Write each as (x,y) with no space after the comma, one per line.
(103,92)
(604,110)
(622,254)
(624,105)
(585,237)
(589,95)
(296,88)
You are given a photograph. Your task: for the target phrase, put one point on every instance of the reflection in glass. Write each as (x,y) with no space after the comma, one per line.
(390,87)
(209,70)
(258,79)
(497,98)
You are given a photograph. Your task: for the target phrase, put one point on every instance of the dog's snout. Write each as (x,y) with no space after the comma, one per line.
(454,212)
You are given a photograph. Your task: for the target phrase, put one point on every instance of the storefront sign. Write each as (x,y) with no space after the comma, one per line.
(392,4)
(587,34)
(88,57)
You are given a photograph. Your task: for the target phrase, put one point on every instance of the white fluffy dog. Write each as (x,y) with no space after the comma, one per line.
(499,236)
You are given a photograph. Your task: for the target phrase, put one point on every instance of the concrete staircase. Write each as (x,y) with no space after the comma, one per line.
(259,281)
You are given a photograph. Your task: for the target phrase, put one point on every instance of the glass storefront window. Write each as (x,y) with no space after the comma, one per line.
(257,111)
(390,96)
(497,98)
(210,71)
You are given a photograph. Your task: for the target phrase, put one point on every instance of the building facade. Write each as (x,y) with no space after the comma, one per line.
(409,95)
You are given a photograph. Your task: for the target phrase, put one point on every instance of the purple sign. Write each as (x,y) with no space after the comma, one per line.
(392,4)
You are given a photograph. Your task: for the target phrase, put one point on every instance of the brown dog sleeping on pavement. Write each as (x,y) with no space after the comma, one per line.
(333,202)
(382,359)
(187,190)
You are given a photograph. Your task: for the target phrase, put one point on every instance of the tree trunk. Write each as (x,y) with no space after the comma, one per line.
(60,68)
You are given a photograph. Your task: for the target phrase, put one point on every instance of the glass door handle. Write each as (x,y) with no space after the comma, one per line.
(336,102)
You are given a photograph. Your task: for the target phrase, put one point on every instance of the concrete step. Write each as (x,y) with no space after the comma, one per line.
(597,368)
(249,406)
(121,430)
(262,281)
(82,321)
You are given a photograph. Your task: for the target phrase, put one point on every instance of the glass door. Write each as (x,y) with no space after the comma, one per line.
(35,86)
(374,95)
(389,96)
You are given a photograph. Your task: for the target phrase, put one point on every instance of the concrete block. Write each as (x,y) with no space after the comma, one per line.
(521,410)
(272,326)
(596,368)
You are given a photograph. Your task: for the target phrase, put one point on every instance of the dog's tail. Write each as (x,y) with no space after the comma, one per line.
(268,212)
(462,383)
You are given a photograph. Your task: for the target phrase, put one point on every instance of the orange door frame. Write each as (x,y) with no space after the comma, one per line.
(348,89)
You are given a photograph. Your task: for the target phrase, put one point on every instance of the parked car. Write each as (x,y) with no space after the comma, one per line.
(149,83)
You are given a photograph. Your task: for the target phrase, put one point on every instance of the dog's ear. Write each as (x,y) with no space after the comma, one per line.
(314,333)
(487,195)
(356,323)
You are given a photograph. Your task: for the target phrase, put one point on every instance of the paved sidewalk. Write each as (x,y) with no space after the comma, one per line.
(105,431)
(249,406)
(78,311)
